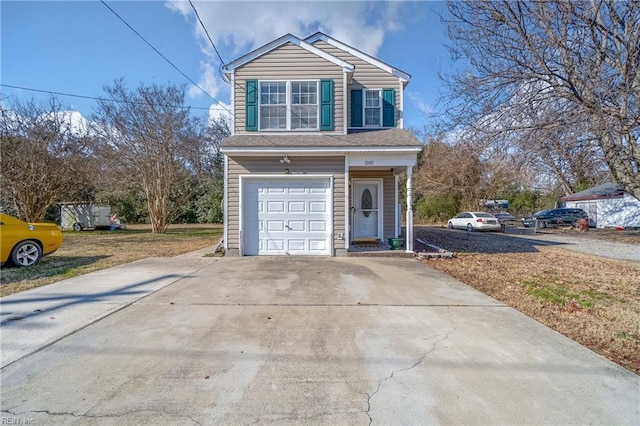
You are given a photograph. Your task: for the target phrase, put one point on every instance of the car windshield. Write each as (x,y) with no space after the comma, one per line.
(483,215)
(541,212)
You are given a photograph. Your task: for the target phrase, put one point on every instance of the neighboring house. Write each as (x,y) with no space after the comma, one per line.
(608,205)
(316,150)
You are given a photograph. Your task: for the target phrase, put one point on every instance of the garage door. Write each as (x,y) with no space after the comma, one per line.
(286,216)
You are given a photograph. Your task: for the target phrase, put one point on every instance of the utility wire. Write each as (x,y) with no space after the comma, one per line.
(164,57)
(222,75)
(51,92)
(206,32)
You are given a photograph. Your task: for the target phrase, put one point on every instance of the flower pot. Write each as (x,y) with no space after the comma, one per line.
(396,243)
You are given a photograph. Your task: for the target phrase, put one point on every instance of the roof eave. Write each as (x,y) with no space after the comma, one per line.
(403,76)
(287,38)
(278,150)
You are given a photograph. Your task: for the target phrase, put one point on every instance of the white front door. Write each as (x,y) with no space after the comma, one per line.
(367,209)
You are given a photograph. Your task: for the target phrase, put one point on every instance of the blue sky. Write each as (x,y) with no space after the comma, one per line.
(78,47)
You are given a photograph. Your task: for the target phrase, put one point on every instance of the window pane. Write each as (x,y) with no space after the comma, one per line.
(304,117)
(372,98)
(372,116)
(273,93)
(304,93)
(273,117)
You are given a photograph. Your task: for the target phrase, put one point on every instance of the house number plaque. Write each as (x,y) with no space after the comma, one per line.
(368,162)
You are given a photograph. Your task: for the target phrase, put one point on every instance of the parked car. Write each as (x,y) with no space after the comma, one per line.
(477,221)
(555,217)
(24,244)
(504,217)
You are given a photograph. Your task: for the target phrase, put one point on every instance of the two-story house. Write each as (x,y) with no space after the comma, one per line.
(316,150)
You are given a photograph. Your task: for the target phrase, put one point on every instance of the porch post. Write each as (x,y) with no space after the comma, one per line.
(409,224)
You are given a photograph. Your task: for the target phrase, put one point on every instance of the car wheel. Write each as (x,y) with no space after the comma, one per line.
(26,253)
(574,224)
(77,227)
(450,225)
(469,227)
(542,224)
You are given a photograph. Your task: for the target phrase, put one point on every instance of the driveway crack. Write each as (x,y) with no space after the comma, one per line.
(434,346)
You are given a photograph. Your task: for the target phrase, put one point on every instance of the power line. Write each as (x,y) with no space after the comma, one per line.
(206,32)
(164,57)
(51,92)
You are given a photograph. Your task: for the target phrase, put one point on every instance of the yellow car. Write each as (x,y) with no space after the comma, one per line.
(23,244)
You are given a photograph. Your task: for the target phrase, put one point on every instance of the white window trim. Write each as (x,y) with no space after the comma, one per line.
(288,106)
(364,107)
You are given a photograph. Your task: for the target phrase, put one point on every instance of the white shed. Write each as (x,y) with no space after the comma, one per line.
(608,205)
(80,215)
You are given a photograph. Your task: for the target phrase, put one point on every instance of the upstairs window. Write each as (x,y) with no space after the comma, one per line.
(273,105)
(372,108)
(288,105)
(304,105)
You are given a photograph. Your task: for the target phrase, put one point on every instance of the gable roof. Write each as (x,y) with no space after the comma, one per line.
(606,190)
(287,38)
(403,76)
(384,139)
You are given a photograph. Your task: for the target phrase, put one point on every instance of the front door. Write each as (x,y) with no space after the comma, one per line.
(367,211)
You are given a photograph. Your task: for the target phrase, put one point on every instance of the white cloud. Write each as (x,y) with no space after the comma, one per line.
(209,81)
(420,104)
(238,27)
(221,111)
(241,26)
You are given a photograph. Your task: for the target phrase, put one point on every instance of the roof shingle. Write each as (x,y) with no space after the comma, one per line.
(366,138)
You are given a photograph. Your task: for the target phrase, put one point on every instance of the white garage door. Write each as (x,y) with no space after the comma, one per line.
(286,216)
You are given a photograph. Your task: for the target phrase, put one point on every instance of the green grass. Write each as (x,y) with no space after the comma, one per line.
(88,251)
(557,293)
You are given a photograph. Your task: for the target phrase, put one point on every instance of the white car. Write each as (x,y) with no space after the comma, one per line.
(476,221)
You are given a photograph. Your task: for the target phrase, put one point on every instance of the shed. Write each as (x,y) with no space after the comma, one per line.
(608,205)
(81,215)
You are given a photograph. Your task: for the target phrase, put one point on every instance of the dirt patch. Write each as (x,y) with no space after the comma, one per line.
(88,251)
(592,300)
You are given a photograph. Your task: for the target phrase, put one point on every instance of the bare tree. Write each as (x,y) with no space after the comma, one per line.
(45,158)
(151,142)
(561,76)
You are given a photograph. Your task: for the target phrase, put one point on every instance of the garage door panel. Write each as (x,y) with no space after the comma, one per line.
(297,225)
(275,245)
(317,206)
(316,246)
(297,207)
(289,216)
(317,226)
(275,207)
(275,226)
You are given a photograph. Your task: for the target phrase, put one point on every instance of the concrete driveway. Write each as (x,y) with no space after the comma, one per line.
(295,341)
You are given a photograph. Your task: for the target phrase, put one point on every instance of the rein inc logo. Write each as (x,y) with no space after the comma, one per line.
(16,421)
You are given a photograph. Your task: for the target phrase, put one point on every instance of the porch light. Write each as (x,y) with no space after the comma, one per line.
(284,160)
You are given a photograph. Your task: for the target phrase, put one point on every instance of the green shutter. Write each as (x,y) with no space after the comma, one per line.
(356,108)
(251,103)
(388,107)
(326,105)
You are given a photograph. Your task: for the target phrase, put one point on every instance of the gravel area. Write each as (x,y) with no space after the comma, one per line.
(621,245)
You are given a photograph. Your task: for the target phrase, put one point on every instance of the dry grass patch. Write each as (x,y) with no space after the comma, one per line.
(592,300)
(88,251)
